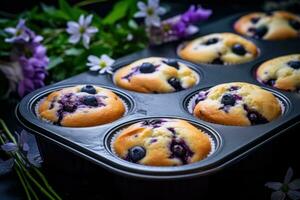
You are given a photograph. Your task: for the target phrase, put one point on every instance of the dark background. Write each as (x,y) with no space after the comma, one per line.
(244,180)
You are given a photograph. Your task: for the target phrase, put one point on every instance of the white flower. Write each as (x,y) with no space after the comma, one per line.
(288,188)
(102,63)
(151,12)
(82,29)
(19,33)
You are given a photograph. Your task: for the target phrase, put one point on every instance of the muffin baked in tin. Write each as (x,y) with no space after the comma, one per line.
(81,106)
(218,48)
(162,142)
(237,104)
(156,75)
(281,72)
(277,25)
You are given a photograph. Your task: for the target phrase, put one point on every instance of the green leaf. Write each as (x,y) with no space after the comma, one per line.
(72,12)
(118,12)
(64,6)
(54,61)
(132,24)
(73,52)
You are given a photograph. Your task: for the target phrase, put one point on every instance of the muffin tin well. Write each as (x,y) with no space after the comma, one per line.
(232,142)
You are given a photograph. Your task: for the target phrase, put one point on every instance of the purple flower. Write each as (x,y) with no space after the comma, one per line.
(182,26)
(289,188)
(195,14)
(178,26)
(33,67)
(31,56)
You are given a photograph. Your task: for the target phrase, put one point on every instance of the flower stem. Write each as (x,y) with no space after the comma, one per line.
(21,170)
(46,183)
(23,183)
(33,179)
(11,137)
(30,188)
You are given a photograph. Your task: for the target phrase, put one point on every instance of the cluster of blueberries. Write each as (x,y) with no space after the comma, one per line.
(295,64)
(147,68)
(260,31)
(70,105)
(178,148)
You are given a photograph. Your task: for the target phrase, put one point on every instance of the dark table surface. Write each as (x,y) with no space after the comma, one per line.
(10,189)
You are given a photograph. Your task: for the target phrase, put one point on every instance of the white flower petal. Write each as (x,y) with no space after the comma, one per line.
(293,194)
(73,25)
(74,38)
(142,6)
(103,70)
(191,30)
(288,176)
(90,64)
(94,59)
(91,30)
(274,185)
(11,30)
(38,38)
(295,184)
(161,11)
(86,40)
(278,195)
(140,14)
(88,20)
(108,60)
(95,68)
(153,3)
(10,40)
(153,20)
(81,20)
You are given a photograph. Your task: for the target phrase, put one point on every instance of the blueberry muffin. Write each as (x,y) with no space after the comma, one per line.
(238,104)
(81,106)
(282,72)
(276,25)
(162,142)
(156,75)
(218,48)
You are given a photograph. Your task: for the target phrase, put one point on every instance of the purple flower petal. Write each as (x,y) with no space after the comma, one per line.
(6,166)
(9,147)
(23,139)
(21,89)
(294,195)
(34,159)
(288,176)
(278,195)
(295,184)
(274,185)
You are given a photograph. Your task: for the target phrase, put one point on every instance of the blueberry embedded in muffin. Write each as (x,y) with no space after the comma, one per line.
(162,142)
(81,106)
(238,104)
(156,75)
(219,49)
(281,72)
(277,25)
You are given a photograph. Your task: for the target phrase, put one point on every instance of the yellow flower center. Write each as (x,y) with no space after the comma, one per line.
(102,64)
(81,30)
(150,11)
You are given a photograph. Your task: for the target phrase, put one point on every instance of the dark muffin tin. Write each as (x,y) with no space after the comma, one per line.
(232,142)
